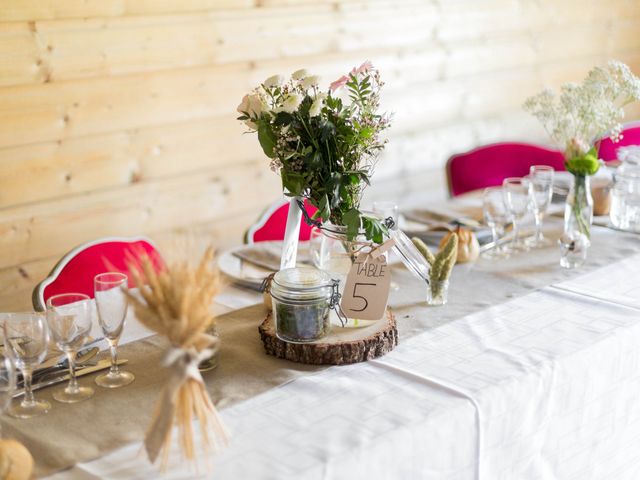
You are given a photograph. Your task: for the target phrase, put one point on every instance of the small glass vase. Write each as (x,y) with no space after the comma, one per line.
(333,253)
(438,293)
(578,215)
(211,362)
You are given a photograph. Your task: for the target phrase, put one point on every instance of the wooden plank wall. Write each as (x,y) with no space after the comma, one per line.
(117,117)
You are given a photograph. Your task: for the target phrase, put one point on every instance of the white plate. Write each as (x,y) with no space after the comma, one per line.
(247,274)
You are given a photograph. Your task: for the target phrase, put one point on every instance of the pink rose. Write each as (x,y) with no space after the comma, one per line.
(339,83)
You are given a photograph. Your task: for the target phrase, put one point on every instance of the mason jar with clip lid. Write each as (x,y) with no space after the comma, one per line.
(302,299)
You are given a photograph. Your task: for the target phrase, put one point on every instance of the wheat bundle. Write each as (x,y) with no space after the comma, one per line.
(175,302)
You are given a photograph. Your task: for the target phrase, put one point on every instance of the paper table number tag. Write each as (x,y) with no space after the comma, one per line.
(366,290)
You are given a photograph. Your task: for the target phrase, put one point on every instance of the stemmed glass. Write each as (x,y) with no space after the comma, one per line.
(496,216)
(516,198)
(26,339)
(540,191)
(69,319)
(112,310)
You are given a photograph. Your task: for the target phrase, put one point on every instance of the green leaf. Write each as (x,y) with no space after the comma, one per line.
(282,119)
(323,208)
(351,220)
(267,139)
(293,183)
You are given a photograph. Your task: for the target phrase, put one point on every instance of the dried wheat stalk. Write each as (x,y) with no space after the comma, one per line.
(176,303)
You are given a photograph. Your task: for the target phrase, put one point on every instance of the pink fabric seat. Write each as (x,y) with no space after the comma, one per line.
(74,273)
(630,136)
(271,224)
(489,165)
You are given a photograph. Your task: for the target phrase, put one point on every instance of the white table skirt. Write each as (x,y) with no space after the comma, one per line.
(545,386)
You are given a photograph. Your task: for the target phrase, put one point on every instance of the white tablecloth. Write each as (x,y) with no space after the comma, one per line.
(545,386)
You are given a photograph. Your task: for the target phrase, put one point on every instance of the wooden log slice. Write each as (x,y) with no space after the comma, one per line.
(342,346)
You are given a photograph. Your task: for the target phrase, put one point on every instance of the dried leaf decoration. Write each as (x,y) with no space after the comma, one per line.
(176,303)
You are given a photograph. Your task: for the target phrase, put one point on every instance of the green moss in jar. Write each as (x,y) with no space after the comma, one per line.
(301,304)
(303,322)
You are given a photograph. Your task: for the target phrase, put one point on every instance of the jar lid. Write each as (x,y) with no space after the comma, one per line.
(302,283)
(410,255)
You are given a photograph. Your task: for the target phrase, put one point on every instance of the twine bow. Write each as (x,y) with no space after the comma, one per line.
(183,365)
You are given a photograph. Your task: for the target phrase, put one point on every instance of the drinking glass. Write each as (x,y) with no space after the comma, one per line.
(516,198)
(25,340)
(69,319)
(540,191)
(496,216)
(112,310)
(386,210)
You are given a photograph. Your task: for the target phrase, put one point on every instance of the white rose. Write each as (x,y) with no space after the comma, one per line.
(244,105)
(256,105)
(273,81)
(316,107)
(253,106)
(309,81)
(299,74)
(291,103)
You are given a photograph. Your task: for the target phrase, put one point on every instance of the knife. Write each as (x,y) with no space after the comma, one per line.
(101,365)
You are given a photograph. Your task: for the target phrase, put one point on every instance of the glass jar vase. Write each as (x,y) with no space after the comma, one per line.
(578,215)
(302,302)
(625,202)
(333,253)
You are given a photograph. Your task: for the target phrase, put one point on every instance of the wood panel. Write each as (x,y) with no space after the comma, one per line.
(41,52)
(80,165)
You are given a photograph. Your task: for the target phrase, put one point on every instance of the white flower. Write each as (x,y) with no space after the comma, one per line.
(309,81)
(291,103)
(316,106)
(273,81)
(252,105)
(299,74)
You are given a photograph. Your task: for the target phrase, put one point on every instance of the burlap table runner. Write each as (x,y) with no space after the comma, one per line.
(73,433)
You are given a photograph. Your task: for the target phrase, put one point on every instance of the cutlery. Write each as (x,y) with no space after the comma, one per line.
(101,365)
(82,360)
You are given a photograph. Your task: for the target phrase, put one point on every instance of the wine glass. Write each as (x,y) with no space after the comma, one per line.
(69,319)
(540,191)
(496,216)
(112,310)
(25,340)
(516,198)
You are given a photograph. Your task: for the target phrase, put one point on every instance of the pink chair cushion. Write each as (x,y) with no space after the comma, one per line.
(75,272)
(271,225)
(630,136)
(489,165)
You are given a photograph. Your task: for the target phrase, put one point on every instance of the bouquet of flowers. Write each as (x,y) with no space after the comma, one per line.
(324,144)
(577,119)
(584,113)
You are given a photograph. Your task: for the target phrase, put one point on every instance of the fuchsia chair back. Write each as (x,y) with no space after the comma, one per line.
(74,273)
(489,165)
(272,223)
(630,136)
